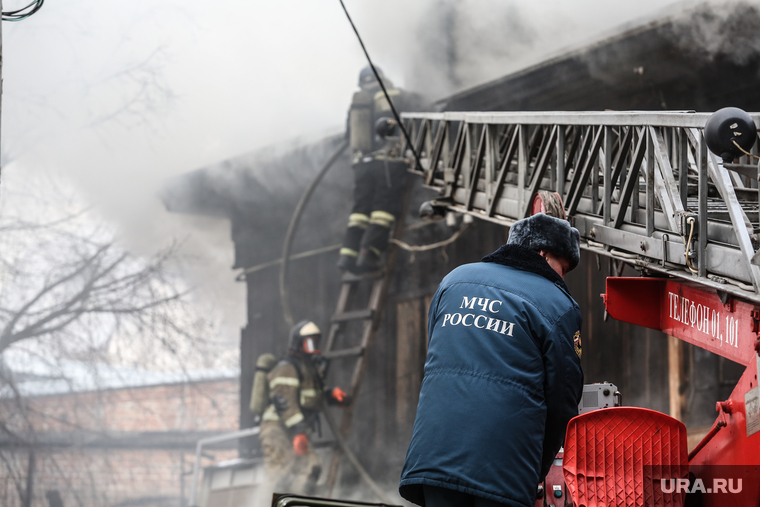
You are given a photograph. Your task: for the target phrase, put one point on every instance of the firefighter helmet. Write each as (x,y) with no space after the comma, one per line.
(304,337)
(385,127)
(727,128)
(367,77)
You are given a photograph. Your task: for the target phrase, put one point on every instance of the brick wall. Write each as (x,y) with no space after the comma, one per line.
(106,475)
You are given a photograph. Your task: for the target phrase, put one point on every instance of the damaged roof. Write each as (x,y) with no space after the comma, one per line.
(701,59)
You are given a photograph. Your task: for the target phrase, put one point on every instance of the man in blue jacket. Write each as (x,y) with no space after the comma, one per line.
(502,375)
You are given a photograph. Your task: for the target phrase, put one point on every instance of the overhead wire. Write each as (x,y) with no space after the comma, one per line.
(24,12)
(382,86)
(309,253)
(330,248)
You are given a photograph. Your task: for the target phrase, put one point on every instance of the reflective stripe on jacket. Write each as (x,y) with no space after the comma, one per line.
(295,393)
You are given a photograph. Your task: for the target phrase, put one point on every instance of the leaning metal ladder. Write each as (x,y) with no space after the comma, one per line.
(637,185)
(370,318)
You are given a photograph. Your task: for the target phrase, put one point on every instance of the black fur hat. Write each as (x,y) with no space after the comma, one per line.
(543,232)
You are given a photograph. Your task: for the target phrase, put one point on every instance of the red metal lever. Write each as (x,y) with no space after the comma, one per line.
(723,408)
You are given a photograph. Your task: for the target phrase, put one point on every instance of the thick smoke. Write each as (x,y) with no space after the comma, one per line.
(118,98)
(444,46)
(724,30)
(459,48)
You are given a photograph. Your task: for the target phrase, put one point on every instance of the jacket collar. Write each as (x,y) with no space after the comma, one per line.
(526,260)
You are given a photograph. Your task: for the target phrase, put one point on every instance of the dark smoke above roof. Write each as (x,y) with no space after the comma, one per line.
(258,192)
(703,59)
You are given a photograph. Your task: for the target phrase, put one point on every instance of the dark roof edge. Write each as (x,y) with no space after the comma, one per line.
(626,30)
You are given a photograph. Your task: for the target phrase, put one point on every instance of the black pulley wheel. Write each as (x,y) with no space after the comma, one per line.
(727,128)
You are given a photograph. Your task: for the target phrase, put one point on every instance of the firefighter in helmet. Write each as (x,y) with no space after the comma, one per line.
(296,395)
(379,170)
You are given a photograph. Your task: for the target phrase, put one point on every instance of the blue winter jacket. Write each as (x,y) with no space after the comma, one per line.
(502,380)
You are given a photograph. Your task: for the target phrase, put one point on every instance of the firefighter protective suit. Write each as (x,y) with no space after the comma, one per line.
(296,396)
(379,174)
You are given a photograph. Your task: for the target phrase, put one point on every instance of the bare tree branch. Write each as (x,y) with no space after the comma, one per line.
(6,337)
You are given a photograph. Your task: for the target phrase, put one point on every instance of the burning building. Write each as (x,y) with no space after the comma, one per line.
(699,60)
(672,64)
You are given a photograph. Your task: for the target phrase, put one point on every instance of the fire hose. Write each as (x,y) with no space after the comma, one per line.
(286,313)
(353,459)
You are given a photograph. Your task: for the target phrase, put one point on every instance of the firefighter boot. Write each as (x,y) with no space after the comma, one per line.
(347,263)
(357,224)
(369,260)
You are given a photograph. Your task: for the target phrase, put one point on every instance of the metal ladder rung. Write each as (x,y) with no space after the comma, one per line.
(349,277)
(337,354)
(323,444)
(364,314)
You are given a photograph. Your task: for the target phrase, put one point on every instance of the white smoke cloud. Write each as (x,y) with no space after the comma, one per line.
(444,46)
(118,96)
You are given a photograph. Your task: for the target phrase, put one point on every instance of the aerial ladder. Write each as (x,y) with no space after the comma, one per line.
(643,190)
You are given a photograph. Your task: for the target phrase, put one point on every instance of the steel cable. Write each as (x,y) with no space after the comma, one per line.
(382,85)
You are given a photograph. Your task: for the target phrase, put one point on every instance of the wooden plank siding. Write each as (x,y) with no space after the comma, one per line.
(409,359)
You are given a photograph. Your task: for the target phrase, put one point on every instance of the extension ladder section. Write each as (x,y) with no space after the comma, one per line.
(641,188)
(369,317)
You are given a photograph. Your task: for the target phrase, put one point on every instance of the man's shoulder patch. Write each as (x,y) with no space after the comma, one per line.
(577,343)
